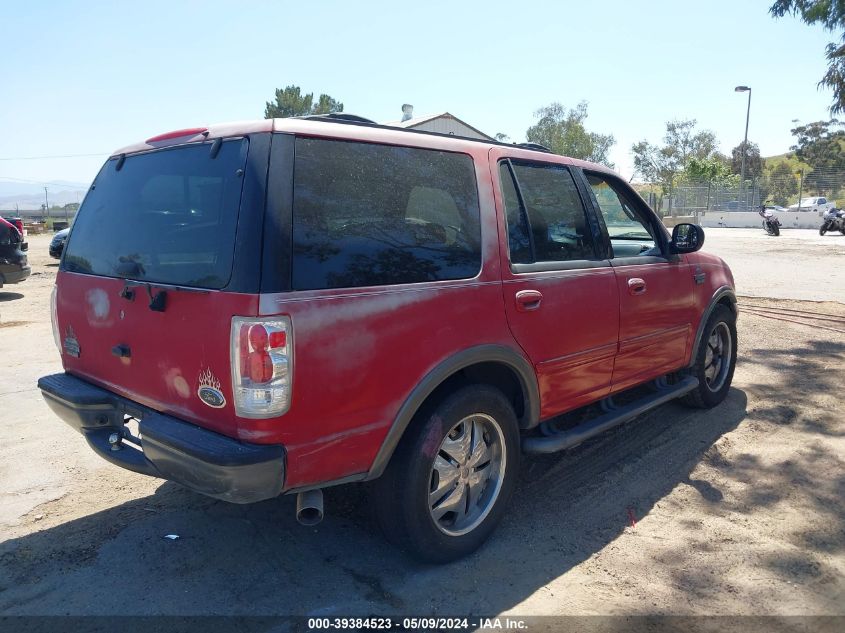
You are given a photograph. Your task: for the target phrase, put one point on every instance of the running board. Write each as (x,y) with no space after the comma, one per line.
(571,437)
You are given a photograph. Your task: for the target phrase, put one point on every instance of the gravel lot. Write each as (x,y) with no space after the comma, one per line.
(738,510)
(798,264)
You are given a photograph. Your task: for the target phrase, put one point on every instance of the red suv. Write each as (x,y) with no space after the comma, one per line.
(280,306)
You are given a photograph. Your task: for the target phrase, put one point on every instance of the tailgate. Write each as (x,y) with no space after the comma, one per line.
(160,359)
(154,271)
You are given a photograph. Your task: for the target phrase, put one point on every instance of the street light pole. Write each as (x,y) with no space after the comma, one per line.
(744,143)
(800,174)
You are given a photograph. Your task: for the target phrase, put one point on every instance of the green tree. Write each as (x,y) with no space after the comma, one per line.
(291,102)
(831,15)
(753,160)
(686,143)
(562,130)
(822,146)
(711,170)
(779,184)
(682,143)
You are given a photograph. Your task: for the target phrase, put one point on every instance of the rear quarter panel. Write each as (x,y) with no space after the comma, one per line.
(358,354)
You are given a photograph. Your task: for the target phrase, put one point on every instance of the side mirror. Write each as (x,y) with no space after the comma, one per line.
(687,238)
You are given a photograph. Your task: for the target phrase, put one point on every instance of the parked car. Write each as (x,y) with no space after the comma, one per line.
(16,222)
(812,204)
(57,244)
(776,208)
(280,306)
(13,260)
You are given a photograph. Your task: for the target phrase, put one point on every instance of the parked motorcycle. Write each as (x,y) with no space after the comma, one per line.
(833,220)
(771,224)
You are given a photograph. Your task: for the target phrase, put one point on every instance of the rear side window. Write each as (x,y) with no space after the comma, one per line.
(167,216)
(367,215)
(548,223)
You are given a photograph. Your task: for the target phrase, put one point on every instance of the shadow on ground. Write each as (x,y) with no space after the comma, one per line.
(792,469)
(10,296)
(256,559)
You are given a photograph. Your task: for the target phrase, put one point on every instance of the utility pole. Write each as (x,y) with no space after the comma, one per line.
(744,144)
(800,186)
(46,203)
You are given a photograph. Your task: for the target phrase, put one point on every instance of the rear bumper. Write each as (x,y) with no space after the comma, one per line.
(14,274)
(204,461)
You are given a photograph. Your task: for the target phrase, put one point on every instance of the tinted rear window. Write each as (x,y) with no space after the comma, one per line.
(366,214)
(167,216)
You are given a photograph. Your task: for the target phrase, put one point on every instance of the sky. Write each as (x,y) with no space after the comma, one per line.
(80,78)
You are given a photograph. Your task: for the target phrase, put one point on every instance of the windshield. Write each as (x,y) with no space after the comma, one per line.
(167,216)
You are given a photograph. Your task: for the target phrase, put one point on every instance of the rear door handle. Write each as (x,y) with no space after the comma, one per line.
(636,286)
(528,300)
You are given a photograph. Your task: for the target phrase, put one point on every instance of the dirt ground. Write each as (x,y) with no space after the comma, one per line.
(737,510)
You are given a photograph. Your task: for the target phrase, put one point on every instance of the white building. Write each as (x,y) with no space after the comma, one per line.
(443,123)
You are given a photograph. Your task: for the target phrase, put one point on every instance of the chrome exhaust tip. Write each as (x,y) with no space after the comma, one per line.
(309,507)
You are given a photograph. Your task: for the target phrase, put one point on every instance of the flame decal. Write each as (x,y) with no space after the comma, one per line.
(207,379)
(209,390)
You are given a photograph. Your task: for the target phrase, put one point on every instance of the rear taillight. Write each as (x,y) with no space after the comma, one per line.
(54,319)
(262,363)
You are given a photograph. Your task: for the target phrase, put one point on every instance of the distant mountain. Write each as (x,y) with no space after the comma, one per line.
(30,197)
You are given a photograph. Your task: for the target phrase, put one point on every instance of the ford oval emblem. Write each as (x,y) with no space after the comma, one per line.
(212,397)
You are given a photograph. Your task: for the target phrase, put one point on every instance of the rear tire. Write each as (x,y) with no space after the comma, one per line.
(716,360)
(449,482)
(775,230)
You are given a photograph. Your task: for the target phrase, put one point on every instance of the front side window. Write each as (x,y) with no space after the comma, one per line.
(547,221)
(367,215)
(631,235)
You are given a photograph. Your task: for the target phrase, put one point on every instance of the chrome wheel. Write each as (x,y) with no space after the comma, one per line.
(467,474)
(717,359)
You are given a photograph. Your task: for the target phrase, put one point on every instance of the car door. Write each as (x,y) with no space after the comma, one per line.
(656,310)
(559,288)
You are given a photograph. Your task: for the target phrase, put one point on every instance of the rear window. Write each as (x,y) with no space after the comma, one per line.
(366,215)
(167,216)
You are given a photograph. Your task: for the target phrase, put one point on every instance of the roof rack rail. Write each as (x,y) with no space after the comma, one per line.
(354,119)
(536,147)
(338,117)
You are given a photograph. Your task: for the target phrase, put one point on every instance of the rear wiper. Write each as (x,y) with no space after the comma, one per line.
(158,301)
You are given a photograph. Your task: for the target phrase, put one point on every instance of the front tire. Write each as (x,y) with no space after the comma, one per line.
(823,229)
(716,360)
(775,230)
(449,482)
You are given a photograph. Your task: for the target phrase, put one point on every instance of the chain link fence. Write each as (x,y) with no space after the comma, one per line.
(779,187)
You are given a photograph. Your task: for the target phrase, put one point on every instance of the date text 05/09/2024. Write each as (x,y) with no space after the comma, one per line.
(419,624)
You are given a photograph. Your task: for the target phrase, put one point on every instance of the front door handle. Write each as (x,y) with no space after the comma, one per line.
(636,286)
(528,300)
